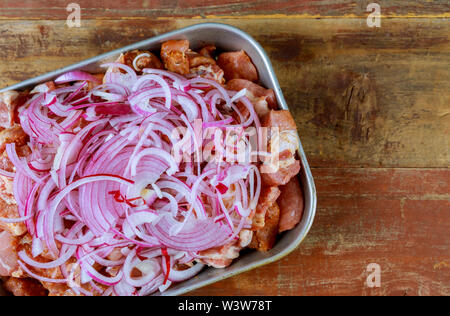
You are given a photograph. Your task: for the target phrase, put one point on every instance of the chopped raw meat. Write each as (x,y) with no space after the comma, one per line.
(173,54)
(196,59)
(237,65)
(264,239)
(10,211)
(14,134)
(282,175)
(208,51)
(283,144)
(222,257)
(205,67)
(24,287)
(8,103)
(148,60)
(269,195)
(291,204)
(263,99)
(281,119)
(8,255)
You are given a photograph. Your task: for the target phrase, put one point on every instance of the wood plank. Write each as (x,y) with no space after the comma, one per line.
(361,96)
(56,9)
(364,217)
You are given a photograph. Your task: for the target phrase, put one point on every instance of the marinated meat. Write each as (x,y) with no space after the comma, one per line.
(283,145)
(10,211)
(279,118)
(222,257)
(264,239)
(208,51)
(262,99)
(204,66)
(238,65)
(24,287)
(268,196)
(8,255)
(282,175)
(173,54)
(196,59)
(8,103)
(291,204)
(14,134)
(147,60)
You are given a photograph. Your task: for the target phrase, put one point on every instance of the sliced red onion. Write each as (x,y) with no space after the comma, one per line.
(39,277)
(7,174)
(15,220)
(48,265)
(76,76)
(179,276)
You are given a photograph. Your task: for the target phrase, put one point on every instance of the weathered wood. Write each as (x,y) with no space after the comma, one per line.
(361,96)
(56,9)
(397,218)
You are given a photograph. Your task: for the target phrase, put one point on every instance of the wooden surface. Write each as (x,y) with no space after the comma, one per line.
(373,112)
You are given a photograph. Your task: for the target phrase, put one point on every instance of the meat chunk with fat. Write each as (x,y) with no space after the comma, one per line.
(238,65)
(175,59)
(222,257)
(204,66)
(282,144)
(13,134)
(24,287)
(11,211)
(268,196)
(146,60)
(179,58)
(8,103)
(264,239)
(211,72)
(282,174)
(279,118)
(197,59)
(291,204)
(8,254)
(262,99)
(208,51)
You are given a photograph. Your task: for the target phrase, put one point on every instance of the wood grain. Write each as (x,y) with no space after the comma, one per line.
(112,9)
(372,107)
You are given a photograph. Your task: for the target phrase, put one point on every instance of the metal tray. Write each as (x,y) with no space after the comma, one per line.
(226,38)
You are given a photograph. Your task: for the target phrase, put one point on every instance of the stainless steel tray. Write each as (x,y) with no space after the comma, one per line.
(227,38)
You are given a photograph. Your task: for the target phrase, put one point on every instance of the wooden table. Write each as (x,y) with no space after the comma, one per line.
(373,112)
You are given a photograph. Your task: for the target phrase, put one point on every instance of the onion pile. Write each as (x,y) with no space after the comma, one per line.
(117,193)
